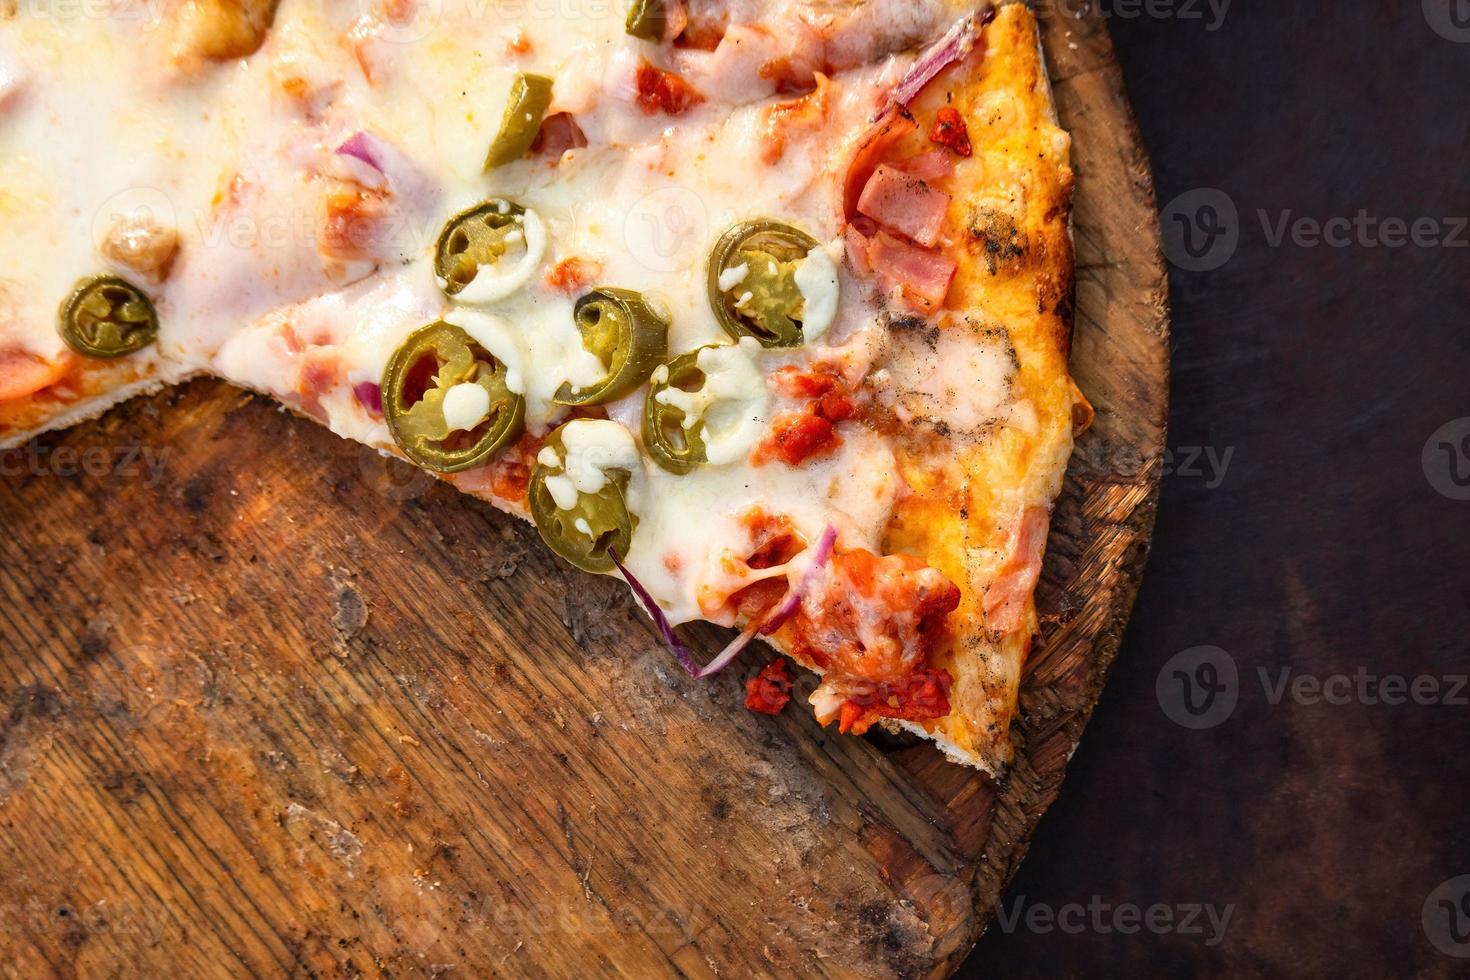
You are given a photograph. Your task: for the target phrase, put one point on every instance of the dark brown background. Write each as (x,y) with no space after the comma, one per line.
(1324,549)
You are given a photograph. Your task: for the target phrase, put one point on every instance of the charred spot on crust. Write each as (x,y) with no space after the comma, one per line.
(995,233)
(910,327)
(903,322)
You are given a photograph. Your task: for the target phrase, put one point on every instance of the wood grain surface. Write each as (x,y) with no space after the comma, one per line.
(272,704)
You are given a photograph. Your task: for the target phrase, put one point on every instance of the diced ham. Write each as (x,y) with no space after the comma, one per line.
(559,133)
(320,373)
(353,224)
(857,244)
(1005,601)
(923,274)
(934,165)
(904,203)
(876,144)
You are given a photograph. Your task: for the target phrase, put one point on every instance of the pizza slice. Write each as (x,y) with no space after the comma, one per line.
(762,306)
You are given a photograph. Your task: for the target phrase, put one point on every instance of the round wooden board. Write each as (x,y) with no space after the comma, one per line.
(273,704)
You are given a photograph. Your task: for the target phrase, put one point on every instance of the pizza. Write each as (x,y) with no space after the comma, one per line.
(760,305)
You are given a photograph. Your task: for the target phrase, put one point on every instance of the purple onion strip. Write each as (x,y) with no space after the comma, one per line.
(731,651)
(681,652)
(360,147)
(821,552)
(955,45)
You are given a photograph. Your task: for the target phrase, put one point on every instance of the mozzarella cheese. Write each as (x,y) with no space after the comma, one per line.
(595,448)
(465,406)
(732,403)
(816,278)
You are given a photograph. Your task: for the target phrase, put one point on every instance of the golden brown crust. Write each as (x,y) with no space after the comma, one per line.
(1008,226)
(1012,203)
(81,389)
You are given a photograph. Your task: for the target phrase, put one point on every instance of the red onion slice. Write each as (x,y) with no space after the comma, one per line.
(370,395)
(821,552)
(955,45)
(731,651)
(388,167)
(363,146)
(681,652)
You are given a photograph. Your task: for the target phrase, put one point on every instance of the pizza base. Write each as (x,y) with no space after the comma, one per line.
(82,397)
(1012,200)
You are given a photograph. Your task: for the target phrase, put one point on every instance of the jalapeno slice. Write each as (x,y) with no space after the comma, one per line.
(675,441)
(481,235)
(647,19)
(583,532)
(529,97)
(420,375)
(626,334)
(758,260)
(106,317)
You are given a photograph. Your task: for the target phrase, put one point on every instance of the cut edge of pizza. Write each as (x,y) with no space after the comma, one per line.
(953,199)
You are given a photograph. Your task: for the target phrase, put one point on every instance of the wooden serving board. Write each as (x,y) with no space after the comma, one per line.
(272,704)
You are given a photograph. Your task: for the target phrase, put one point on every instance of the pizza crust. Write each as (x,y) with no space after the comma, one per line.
(91,391)
(1015,269)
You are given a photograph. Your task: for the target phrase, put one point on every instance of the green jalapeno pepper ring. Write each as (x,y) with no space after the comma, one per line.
(605,513)
(432,360)
(673,446)
(107,317)
(475,237)
(628,337)
(647,19)
(772,302)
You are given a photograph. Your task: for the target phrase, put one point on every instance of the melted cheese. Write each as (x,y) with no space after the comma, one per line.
(595,448)
(732,403)
(300,269)
(816,278)
(465,406)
